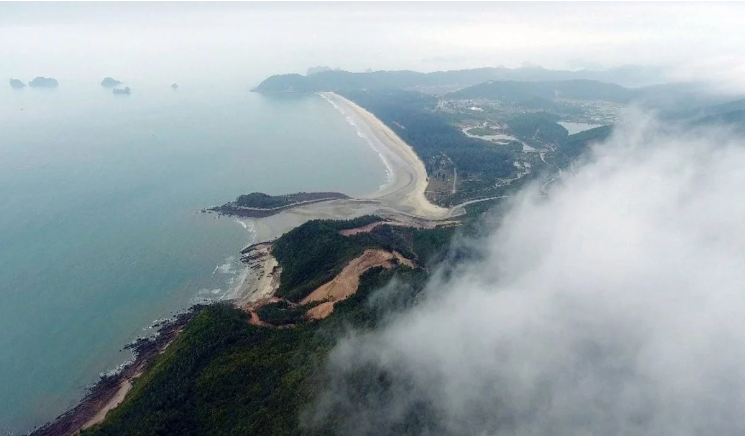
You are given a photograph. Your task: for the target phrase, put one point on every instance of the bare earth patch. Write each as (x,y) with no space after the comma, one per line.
(323,310)
(346,282)
(264,277)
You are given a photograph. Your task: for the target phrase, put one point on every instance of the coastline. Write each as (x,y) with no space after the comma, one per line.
(401,200)
(409,180)
(106,394)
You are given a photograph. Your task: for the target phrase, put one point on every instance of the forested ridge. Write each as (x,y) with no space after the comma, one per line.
(225,376)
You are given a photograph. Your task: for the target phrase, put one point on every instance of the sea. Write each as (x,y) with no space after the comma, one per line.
(101,229)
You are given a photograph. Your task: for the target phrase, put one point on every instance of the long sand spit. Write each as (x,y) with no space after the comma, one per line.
(406,189)
(402,199)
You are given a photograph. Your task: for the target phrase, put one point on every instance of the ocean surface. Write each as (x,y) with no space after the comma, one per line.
(100,230)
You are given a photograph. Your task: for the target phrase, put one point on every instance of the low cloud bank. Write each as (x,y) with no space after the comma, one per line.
(614,307)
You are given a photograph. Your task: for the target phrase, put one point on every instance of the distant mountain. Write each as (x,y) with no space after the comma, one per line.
(520,92)
(324,79)
(108,82)
(627,75)
(730,114)
(710,110)
(732,106)
(314,70)
(687,100)
(44,82)
(671,100)
(122,91)
(15,83)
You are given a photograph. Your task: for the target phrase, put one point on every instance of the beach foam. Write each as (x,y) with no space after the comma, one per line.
(390,174)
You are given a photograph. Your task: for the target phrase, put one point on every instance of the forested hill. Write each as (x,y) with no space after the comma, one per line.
(227,376)
(410,115)
(334,80)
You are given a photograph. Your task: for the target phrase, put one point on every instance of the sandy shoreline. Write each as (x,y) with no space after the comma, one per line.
(406,191)
(402,199)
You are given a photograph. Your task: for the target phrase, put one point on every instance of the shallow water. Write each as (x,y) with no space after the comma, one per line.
(100,230)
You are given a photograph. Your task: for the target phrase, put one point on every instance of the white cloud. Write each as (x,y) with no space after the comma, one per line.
(616,306)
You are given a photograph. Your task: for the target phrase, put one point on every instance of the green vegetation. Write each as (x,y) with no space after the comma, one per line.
(264,201)
(576,144)
(282,313)
(482,131)
(311,255)
(224,376)
(539,94)
(315,252)
(260,205)
(410,115)
(538,126)
(351,223)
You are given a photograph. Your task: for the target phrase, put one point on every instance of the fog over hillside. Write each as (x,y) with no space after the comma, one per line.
(615,306)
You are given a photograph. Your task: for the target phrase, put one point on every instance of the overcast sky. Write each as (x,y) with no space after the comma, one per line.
(250,41)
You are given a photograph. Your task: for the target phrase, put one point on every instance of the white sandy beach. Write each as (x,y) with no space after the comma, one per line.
(402,198)
(406,190)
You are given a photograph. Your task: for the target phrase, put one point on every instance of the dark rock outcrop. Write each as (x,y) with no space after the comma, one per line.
(122,91)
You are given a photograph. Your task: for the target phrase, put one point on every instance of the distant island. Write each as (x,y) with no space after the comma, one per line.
(17,84)
(122,91)
(174,85)
(44,82)
(109,82)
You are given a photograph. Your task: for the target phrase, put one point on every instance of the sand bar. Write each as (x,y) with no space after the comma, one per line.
(406,189)
(402,199)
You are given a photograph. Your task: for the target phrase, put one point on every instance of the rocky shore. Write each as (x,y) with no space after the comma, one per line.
(110,390)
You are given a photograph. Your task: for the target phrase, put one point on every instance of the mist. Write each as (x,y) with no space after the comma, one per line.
(615,306)
(239,44)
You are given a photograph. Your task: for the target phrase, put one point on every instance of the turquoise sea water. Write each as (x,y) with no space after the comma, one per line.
(99,230)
